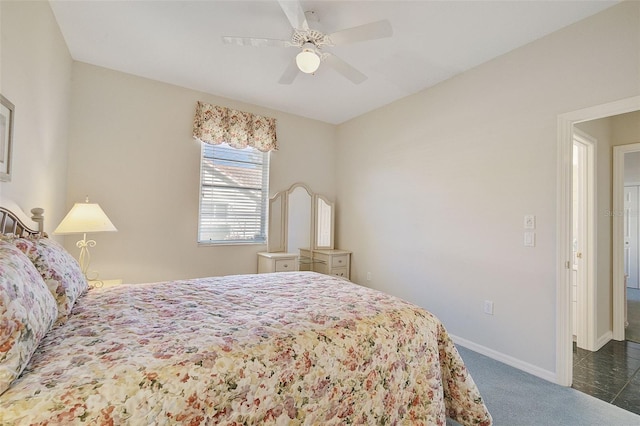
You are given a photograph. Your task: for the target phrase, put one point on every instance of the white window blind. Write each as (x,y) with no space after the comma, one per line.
(234,193)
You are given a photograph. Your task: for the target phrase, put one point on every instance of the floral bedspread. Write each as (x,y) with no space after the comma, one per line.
(287,349)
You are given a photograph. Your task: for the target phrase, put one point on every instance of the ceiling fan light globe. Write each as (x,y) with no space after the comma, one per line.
(308,61)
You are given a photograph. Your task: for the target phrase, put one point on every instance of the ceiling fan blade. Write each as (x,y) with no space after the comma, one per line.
(295,14)
(374,30)
(256,42)
(289,74)
(345,69)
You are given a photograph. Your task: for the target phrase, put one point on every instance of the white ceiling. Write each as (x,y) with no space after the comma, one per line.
(179,42)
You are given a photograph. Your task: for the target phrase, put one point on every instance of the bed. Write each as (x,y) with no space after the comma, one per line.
(292,348)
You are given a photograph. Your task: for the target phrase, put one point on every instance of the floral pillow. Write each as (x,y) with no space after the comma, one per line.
(27,312)
(59,270)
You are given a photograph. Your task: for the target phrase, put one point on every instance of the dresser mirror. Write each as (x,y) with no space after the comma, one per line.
(324,223)
(300,218)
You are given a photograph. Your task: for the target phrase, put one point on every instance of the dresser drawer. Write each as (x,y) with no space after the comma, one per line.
(340,261)
(277,262)
(340,272)
(285,265)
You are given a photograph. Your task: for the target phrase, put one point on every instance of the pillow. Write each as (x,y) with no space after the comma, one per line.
(59,270)
(27,312)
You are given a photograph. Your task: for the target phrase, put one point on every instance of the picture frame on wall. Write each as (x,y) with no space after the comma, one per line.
(6,138)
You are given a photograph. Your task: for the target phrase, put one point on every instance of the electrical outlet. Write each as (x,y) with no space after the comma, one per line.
(529,222)
(488,307)
(368,276)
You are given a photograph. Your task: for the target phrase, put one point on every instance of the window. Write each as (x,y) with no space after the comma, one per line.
(234,193)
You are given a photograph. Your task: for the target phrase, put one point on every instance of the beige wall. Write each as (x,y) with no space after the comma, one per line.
(626,128)
(132,152)
(632,167)
(434,187)
(36,77)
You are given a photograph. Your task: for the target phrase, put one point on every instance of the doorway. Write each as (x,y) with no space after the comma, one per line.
(631,252)
(564,243)
(623,229)
(609,373)
(630,240)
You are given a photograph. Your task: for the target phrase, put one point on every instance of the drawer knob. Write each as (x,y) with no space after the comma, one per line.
(286,265)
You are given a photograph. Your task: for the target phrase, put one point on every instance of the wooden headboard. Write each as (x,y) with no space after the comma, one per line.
(11,222)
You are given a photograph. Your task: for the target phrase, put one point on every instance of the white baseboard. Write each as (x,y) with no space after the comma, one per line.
(506,359)
(604,339)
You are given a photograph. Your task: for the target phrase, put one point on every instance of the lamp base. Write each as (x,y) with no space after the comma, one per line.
(85,256)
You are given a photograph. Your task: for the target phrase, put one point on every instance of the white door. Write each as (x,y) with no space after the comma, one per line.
(631,233)
(579,232)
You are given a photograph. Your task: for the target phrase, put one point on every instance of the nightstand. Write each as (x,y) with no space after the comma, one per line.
(277,262)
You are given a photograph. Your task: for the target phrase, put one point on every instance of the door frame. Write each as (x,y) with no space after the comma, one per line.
(619,297)
(565,131)
(586,297)
(632,184)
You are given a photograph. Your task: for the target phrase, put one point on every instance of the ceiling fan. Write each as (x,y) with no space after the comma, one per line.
(311,43)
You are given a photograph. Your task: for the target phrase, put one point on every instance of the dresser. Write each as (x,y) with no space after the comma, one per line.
(277,262)
(327,261)
(299,217)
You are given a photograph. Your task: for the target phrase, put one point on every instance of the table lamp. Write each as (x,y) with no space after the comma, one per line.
(84,218)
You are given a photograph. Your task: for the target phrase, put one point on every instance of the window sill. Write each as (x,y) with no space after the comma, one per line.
(223,244)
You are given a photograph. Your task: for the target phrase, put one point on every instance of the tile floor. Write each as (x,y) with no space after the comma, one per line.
(611,374)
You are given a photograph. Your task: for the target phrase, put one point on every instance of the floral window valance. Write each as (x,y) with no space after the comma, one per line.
(215,125)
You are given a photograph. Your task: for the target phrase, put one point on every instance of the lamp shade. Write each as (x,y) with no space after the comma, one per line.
(85,218)
(308,61)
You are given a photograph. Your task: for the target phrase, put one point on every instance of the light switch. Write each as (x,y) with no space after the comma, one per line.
(529,222)
(529,239)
